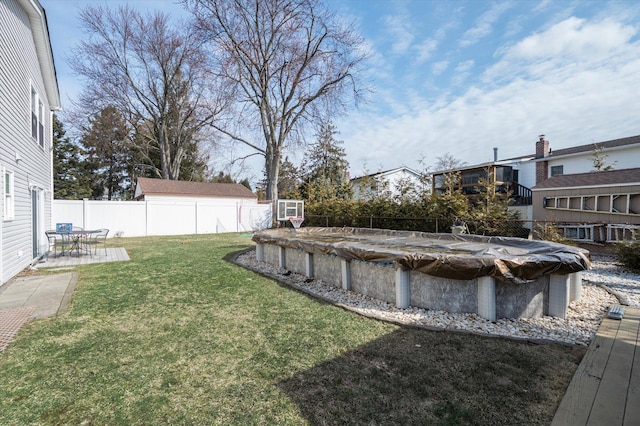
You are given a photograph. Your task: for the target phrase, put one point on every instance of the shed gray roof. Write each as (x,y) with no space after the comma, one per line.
(612,177)
(149,186)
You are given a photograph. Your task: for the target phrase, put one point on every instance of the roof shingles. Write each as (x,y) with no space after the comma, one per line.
(149,186)
(632,140)
(612,177)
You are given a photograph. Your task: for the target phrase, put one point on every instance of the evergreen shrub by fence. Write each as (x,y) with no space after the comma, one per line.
(628,253)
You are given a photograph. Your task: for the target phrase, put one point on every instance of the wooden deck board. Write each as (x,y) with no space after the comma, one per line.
(632,412)
(578,400)
(605,387)
(609,404)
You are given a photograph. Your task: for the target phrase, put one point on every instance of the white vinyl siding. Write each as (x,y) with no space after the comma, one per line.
(28,158)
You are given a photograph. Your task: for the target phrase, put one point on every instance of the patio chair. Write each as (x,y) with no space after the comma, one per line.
(57,241)
(95,239)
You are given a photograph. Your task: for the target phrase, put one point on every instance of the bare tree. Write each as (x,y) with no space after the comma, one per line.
(154,73)
(448,164)
(291,63)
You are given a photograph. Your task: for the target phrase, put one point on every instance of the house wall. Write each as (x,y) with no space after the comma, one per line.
(624,157)
(526,173)
(20,70)
(571,202)
(385,184)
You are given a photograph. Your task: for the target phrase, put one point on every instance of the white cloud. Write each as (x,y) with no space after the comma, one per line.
(563,91)
(564,49)
(399,28)
(483,25)
(462,72)
(440,67)
(465,66)
(544,4)
(425,49)
(574,38)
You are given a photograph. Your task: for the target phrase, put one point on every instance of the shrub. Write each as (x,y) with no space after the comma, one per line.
(550,232)
(628,253)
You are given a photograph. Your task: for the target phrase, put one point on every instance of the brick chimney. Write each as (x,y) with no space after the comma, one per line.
(542,167)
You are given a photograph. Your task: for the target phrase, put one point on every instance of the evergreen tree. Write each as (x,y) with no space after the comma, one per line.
(245,182)
(451,203)
(70,175)
(223,178)
(289,179)
(106,141)
(325,168)
(491,209)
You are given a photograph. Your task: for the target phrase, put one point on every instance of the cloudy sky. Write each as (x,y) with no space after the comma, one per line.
(463,77)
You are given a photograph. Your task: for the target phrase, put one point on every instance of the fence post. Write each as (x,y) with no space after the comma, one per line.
(371,222)
(196,216)
(436,225)
(85,213)
(146,218)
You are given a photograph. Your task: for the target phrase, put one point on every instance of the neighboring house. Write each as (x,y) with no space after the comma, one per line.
(515,176)
(28,95)
(618,153)
(388,183)
(175,190)
(588,204)
(522,174)
(594,206)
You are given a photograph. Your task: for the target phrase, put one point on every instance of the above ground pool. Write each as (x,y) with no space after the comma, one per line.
(495,277)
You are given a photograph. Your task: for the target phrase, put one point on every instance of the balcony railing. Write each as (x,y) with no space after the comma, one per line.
(521,195)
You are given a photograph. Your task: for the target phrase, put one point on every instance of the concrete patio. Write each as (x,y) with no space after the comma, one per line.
(26,297)
(115,254)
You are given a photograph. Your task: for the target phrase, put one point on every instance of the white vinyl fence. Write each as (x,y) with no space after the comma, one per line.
(145,218)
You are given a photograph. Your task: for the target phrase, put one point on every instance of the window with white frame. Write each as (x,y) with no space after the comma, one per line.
(37,118)
(9,209)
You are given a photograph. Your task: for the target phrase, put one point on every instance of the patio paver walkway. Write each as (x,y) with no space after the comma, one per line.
(40,296)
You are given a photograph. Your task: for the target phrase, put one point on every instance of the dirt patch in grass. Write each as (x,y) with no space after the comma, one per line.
(419,377)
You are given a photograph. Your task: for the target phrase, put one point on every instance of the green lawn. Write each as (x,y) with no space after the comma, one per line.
(178,335)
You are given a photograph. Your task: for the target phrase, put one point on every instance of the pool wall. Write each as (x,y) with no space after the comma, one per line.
(486,296)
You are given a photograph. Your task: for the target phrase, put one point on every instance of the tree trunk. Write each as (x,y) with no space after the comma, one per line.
(272,166)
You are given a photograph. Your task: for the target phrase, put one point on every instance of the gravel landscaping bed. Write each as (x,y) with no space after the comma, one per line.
(606,283)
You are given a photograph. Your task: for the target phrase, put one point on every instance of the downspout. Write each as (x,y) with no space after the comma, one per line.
(51,180)
(1,238)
